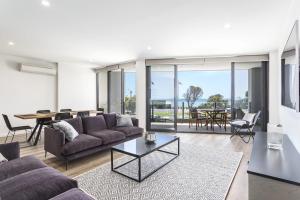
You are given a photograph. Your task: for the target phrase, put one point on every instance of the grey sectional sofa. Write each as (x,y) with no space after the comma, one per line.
(28,178)
(96,133)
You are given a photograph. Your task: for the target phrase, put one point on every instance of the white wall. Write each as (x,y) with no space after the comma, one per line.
(289,118)
(76,86)
(22,92)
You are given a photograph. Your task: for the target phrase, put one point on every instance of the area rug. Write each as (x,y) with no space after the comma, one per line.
(199,173)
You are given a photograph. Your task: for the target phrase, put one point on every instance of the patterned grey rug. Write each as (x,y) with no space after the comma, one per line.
(199,173)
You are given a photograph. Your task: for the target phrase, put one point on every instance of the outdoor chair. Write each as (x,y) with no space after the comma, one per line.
(245,126)
(198,117)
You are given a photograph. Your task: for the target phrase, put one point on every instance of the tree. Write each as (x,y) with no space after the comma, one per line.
(215,98)
(192,94)
(130,102)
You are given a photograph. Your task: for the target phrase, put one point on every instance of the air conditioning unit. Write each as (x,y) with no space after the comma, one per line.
(38,69)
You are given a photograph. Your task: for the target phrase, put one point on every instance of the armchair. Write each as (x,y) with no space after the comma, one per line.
(10,150)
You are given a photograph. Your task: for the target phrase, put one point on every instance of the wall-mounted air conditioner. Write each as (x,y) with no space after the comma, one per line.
(38,69)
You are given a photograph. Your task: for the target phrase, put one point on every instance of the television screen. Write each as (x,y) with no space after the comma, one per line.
(290,71)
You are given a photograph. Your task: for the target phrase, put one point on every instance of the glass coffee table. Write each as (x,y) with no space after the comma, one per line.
(138,148)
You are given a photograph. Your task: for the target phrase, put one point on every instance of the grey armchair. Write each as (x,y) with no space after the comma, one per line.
(10,150)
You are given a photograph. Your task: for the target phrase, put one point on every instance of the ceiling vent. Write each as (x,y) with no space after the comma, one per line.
(38,69)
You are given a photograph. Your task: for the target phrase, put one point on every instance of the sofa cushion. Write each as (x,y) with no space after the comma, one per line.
(19,166)
(111,120)
(73,194)
(39,184)
(76,123)
(129,131)
(108,136)
(94,123)
(80,143)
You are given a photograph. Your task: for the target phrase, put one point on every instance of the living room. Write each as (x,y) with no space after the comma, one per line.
(149,100)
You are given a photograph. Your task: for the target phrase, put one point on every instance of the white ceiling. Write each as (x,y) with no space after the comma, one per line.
(111,31)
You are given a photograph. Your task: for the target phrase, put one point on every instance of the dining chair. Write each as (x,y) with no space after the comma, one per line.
(65,110)
(14,129)
(201,117)
(47,121)
(193,118)
(83,114)
(62,116)
(101,111)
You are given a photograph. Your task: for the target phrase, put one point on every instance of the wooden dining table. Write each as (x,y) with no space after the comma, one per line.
(212,113)
(41,118)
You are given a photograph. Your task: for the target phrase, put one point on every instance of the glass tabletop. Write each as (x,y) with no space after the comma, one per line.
(139,146)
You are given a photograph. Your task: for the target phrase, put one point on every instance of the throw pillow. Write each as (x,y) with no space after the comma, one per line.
(67,129)
(124,120)
(2,159)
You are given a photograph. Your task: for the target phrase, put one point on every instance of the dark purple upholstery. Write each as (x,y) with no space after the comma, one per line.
(129,131)
(10,150)
(19,166)
(54,141)
(39,184)
(73,194)
(95,123)
(108,136)
(111,120)
(76,123)
(80,143)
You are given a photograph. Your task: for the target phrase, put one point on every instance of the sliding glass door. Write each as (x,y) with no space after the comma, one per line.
(129,92)
(200,88)
(205,98)
(161,98)
(121,91)
(250,90)
(115,103)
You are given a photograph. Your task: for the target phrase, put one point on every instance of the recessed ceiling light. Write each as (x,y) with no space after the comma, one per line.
(45,3)
(149,48)
(227,25)
(11,43)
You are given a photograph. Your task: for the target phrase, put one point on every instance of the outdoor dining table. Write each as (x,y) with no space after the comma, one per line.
(212,113)
(41,118)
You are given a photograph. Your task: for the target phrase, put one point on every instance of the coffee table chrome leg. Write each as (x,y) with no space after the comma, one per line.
(140,173)
(112,159)
(178,150)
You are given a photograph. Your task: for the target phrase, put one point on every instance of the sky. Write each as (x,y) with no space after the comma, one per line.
(211,82)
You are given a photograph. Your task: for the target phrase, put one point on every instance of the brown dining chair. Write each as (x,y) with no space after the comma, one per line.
(83,114)
(193,118)
(47,121)
(12,130)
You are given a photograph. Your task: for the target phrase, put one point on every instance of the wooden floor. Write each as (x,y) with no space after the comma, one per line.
(239,187)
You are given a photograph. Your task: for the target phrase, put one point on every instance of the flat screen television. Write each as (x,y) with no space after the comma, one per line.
(290,88)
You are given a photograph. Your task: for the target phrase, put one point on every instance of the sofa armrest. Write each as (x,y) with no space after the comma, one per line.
(135,121)
(54,141)
(10,150)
